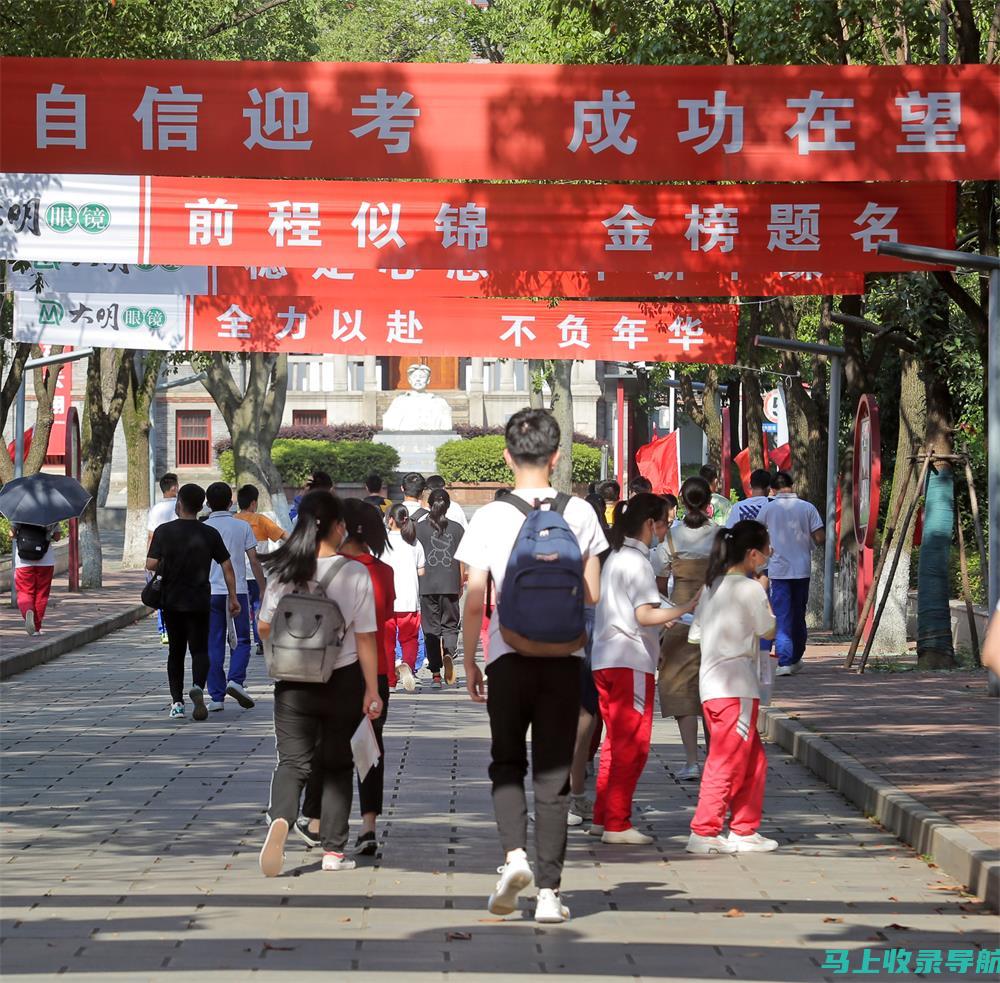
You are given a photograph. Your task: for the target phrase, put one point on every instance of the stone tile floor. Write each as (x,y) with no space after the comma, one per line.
(129,847)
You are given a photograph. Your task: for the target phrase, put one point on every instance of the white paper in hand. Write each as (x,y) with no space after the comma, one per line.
(364,747)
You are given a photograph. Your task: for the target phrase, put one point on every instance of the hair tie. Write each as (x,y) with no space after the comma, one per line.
(727,534)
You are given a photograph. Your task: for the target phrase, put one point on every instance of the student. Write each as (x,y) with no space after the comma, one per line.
(793,525)
(327,714)
(366,541)
(610,492)
(455,511)
(440,586)
(626,648)
(241,545)
(414,486)
(34,566)
(749,508)
(320,481)
(406,557)
(265,531)
(732,616)
(718,511)
(164,511)
(183,551)
(683,554)
(543,693)
(376,493)
(640,486)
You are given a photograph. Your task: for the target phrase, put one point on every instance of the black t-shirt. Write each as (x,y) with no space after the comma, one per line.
(442,572)
(186,549)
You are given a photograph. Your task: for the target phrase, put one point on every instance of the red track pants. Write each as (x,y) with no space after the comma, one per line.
(407,624)
(736,769)
(33,585)
(625,698)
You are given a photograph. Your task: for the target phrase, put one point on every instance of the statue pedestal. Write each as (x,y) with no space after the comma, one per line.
(416,448)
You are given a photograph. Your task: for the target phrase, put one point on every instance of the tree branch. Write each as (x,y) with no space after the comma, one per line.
(966,303)
(228,26)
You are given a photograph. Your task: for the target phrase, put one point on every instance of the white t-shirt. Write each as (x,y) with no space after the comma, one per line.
(627,582)
(351,589)
(790,522)
(731,617)
(749,508)
(238,537)
(491,535)
(689,544)
(165,511)
(405,560)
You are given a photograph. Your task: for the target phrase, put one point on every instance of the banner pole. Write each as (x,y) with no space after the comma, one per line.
(832,459)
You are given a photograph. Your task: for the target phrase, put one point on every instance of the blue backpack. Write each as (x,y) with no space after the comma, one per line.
(541,606)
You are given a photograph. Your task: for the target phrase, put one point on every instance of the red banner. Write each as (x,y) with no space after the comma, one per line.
(474,121)
(653,332)
(324,281)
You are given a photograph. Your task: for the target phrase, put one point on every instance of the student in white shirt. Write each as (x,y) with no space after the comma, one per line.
(164,511)
(794,525)
(33,576)
(455,511)
(328,713)
(731,618)
(749,508)
(242,546)
(414,486)
(625,653)
(406,557)
(543,693)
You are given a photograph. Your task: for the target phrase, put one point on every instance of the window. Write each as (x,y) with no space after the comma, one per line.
(194,438)
(308,418)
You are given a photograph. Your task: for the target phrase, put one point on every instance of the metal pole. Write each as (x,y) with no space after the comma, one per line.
(832,474)
(993,456)
(18,472)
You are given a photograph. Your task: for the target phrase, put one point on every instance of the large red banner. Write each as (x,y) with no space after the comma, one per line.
(260,119)
(653,332)
(422,225)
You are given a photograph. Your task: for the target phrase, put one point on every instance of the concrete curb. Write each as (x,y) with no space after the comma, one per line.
(10,665)
(960,854)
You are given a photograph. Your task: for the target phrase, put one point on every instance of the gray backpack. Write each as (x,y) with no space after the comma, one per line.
(307,632)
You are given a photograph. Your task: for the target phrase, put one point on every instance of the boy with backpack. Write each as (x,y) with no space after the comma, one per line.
(34,565)
(540,550)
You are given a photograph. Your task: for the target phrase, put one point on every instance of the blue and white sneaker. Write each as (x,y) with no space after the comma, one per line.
(177,711)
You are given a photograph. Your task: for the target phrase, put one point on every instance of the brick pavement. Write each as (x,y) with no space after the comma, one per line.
(933,734)
(129,847)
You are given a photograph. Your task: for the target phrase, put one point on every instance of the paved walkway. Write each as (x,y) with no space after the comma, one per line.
(129,846)
(933,734)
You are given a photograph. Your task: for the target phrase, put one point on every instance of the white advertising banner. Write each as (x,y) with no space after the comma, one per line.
(113,278)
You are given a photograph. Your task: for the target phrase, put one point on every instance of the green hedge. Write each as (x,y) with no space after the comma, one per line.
(4,536)
(345,461)
(481,459)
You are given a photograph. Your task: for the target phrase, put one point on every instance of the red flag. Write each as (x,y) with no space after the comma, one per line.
(742,461)
(660,462)
(782,457)
(27,443)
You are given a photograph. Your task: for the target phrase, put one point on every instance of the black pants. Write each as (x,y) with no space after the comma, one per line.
(439,619)
(186,630)
(369,790)
(317,720)
(543,694)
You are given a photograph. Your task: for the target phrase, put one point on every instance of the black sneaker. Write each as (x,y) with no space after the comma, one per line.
(308,837)
(365,845)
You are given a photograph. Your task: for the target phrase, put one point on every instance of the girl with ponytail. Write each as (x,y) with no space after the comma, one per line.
(731,619)
(626,645)
(440,586)
(406,557)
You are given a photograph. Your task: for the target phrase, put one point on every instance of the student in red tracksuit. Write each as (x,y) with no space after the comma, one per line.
(406,557)
(625,652)
(731,619)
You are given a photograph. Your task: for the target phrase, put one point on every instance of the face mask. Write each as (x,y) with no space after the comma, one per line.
(761,567)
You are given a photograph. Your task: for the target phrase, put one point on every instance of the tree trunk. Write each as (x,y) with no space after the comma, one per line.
(562,410)
(706,415)
(44,382)
(253,418)
(536,373)
(891,636)
(136,427)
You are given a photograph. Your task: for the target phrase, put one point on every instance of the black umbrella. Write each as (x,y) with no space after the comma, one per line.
(41,499)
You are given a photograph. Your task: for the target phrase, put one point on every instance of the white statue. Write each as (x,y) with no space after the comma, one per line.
(417,409)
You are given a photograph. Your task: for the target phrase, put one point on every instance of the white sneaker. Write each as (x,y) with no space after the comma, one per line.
(515,876)
(581,806)
(596,830)
(788,670)
(549,909)
(796,667)
(29,623)
(272,854)
(573,819)
(176,711)
(754,843)
(630,836)
(405,675)
(216,705)
(689,773)
(240,695)
(337,861)
(709,844)
(197,695)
